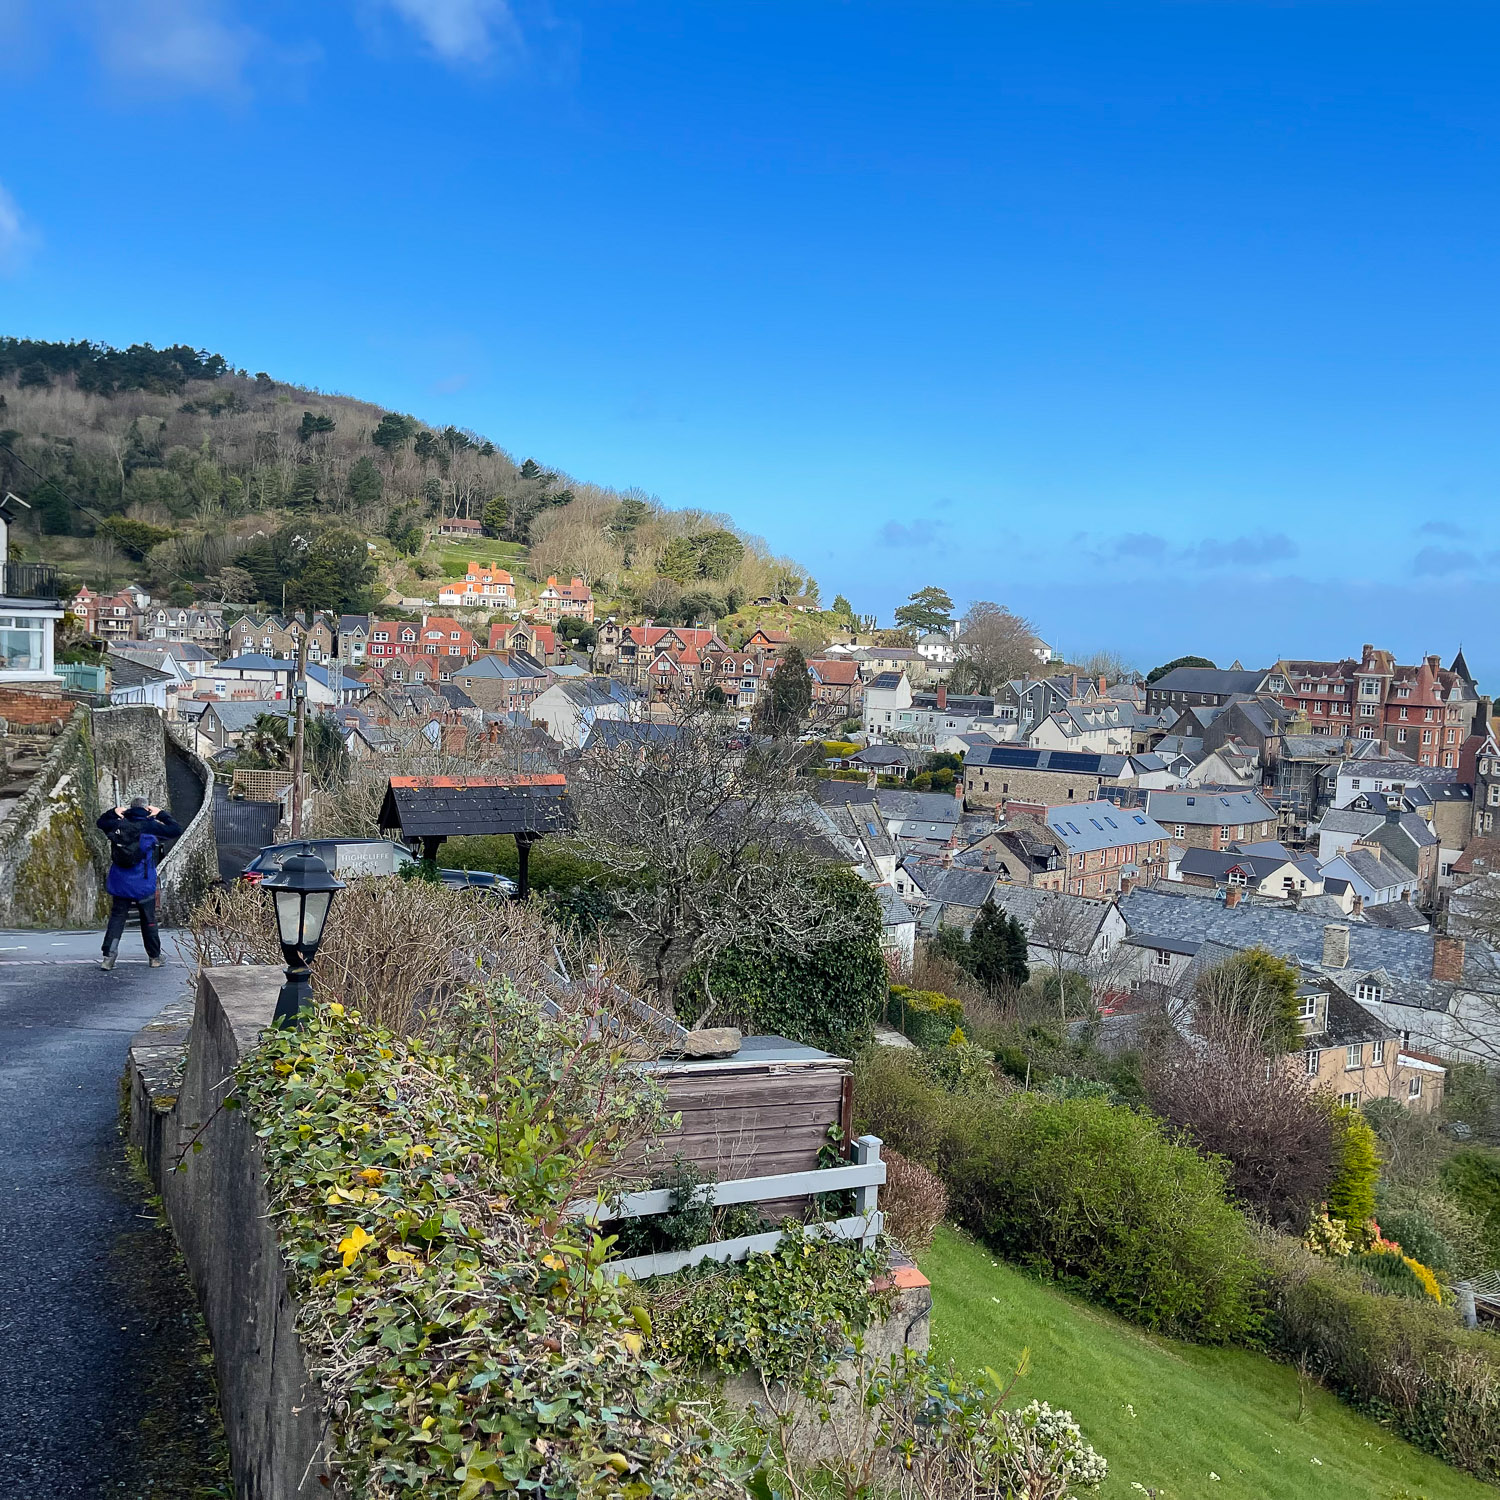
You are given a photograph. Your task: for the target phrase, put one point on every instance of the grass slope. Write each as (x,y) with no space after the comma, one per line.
(1196,1411)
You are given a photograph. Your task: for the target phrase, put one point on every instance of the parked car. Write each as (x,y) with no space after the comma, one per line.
(352,858)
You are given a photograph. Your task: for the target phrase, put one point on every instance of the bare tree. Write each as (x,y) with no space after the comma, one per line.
(1065,931)
(1219,1078)
(994,645)
(1109,665)
(713,842)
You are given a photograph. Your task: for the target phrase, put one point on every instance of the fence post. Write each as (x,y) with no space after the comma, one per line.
(1466,1308)
(866,1151)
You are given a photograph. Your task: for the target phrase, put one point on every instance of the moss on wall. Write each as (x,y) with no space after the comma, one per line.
(56,884)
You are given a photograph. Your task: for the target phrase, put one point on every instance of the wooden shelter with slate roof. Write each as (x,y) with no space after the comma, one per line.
(433,808)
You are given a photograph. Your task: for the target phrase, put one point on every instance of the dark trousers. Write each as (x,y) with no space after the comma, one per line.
(119,914)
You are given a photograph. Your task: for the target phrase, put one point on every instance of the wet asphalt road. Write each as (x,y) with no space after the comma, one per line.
(75,1331)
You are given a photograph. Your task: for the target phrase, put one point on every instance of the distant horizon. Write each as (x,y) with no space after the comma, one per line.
(1171,328)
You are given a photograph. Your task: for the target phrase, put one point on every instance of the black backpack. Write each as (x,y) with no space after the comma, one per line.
(125,851)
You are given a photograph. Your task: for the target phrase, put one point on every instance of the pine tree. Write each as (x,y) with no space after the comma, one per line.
(788,696)
(990,945)
(1019,965)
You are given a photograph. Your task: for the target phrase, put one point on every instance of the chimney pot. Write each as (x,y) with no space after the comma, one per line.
(1335,945)
(1447,959)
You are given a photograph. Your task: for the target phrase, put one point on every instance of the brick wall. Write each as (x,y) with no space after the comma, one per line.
(22,704)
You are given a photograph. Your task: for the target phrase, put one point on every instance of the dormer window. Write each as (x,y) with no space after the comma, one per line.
(1369,991)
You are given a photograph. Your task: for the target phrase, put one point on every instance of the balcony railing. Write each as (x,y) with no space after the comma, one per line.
(28,581)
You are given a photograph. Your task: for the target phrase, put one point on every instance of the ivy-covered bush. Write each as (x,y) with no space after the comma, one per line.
(462,1329)
(924,1016)
(1409,1363)
(1099,1196)
(829,997)
(782,1312)
(1472,1176)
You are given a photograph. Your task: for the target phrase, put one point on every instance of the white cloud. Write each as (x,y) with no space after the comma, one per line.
(463,30)
(15,237)
(192,44)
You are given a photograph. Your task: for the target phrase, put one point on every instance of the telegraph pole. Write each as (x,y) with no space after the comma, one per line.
(299,690)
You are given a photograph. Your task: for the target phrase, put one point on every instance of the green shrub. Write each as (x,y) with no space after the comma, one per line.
(1472,1177)
(1391,1271)
(780,1312)
(925,1016)
(1411,1364)
(1465,1233)
(1351,1194)
(1418,1237)
(1103,1198)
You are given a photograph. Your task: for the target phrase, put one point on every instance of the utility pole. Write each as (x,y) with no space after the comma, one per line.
(299,690)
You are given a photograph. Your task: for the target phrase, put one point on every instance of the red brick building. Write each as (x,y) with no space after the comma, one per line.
(1423,711)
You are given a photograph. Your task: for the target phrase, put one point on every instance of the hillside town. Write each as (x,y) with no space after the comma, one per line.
(1337,810)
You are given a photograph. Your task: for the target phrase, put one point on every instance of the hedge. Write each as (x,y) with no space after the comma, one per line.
(1410,1364)
(926,1017)
(1103,1198)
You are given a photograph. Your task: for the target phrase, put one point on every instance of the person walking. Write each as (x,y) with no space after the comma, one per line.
(135,834)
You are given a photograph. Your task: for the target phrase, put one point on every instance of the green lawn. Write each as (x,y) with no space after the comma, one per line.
(455,557)
(1168,1415)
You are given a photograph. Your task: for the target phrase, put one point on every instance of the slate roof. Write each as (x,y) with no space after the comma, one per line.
(1023,902)
(1215,864)
(1400,914)
(919,807)
(610,734)
(125,673)
(1159,919)
(439,806)
(1347,820)
(1086,826)
(1024,758)
(887,755)
(256,661)
(240,714)
(893,910)
(1206,806)
(952,887)
(1380,874)
(335,680)
(1208,680)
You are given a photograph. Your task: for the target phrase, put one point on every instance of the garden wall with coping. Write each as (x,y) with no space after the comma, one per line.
(206,1162)
(179,1076)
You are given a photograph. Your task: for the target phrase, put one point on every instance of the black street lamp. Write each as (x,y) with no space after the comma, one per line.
(302,890)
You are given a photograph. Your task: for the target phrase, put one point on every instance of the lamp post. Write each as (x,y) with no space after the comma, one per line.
(302,890)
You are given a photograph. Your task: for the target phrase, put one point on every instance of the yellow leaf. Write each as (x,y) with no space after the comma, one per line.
(353,1243)
(373,1175)
(553,1262)
(421,1151)
(400,1257)
(336,1010)
(633,1342)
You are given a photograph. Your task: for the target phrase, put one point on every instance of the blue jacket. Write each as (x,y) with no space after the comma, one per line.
(139,883)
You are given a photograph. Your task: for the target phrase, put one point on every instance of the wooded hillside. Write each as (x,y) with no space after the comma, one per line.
(202,482)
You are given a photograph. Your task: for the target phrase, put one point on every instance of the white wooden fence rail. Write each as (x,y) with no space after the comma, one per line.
(864,1176)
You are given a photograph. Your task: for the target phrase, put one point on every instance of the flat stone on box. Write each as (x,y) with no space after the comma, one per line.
(713,1041)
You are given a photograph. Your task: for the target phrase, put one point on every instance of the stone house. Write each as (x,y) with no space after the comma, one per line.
(1209,819)
(1202,687)
(995,775)
(480,587)
(277,635)
(200,627)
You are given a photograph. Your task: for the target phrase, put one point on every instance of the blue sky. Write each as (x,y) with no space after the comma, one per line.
(1171,325)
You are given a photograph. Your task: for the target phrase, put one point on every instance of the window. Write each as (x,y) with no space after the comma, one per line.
(1414,1089)
(1310,1061)
(1366,991)
(1401,713)
(1367,731)
(1367,710)
(1427,716)
(1355,783)
(21,643)
(1238,877)
(1307,1007)
(1162,959)
(1179,830)
(1369,687)
(1377,1053)
(1426,736)
(1354,1056)
(1225,831)
(1349,1101)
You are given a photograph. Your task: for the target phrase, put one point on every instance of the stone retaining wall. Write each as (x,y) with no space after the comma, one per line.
(273,1414)
(51,856)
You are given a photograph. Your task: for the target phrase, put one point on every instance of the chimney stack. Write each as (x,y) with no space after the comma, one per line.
(1359,906)
(942,699)
(1335,945)
(1447,959)
(1232,896)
